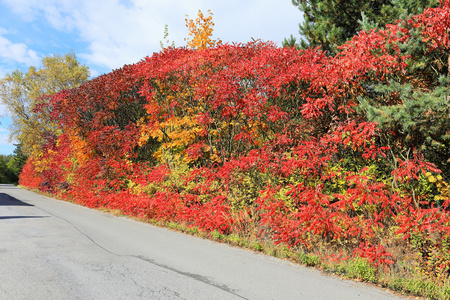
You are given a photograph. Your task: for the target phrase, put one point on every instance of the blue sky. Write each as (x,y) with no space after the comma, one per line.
(106,34)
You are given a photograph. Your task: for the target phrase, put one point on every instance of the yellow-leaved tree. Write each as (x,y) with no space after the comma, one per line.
(22,93)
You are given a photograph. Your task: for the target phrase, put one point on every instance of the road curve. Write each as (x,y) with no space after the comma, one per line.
(52,249)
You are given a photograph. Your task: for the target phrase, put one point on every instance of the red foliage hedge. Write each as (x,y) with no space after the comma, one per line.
(250,134)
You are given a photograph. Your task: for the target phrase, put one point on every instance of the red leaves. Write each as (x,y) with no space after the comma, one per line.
(371,53)
(435,24)
(375,254)
(409,169)
(195,151)
(276,114)
(29,176)
(256,119)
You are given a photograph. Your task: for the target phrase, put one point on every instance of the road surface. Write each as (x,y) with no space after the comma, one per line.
(51,249)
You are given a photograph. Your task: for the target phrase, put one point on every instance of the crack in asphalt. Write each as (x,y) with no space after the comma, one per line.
(196,277)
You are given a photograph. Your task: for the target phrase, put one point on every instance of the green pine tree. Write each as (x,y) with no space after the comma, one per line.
(330,23)
(16,163)
(414,106)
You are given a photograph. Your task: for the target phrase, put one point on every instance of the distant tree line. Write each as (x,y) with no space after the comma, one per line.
(11,165)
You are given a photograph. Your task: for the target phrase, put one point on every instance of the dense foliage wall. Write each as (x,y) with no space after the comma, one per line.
(336,155)
(331,23)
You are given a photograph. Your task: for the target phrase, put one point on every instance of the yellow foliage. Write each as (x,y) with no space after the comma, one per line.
(442,186)
(200,32)
(21,94)
(175,133)
(134,188)
(178,129)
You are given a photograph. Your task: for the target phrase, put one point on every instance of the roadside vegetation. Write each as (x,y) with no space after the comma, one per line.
(11,165)
(337,159)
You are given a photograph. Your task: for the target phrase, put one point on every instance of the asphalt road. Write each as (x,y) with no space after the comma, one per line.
(51,249)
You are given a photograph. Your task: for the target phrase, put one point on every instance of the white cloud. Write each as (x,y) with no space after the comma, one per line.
(4,136)
(116,33)
(17,52)
(4,139)
(24,8)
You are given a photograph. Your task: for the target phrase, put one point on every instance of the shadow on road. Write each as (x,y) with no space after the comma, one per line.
(7,200)
(21,217)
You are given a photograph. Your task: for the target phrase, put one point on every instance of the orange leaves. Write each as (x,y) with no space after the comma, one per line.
(200,32)
(82,150)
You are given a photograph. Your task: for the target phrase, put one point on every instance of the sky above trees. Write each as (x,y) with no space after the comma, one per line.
(107,34)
